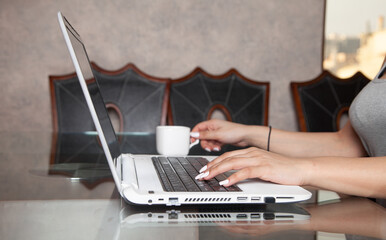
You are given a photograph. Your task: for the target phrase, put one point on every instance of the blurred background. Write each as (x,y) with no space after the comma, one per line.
(277,41)
(355,37)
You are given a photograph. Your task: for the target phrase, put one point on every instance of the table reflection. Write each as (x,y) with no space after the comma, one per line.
(213,215)
(209,221)
(355,218)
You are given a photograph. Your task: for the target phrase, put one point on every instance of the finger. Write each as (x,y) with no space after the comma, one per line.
(206,134)
(229,155)
(200,126)
(226,156)
(205,126)
(239,176)
(216,146)
(211,145)
(234,163)
(206,130)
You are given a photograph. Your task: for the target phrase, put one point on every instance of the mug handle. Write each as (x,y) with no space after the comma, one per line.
(194,143)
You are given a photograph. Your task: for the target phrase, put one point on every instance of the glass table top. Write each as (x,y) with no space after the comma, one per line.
(59,187)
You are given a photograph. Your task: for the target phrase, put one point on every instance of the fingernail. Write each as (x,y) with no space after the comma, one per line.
(207,149)
(199,176)
(195,134)
(203,168)
(226,181)
(205,174)
(216,149)
(202,175)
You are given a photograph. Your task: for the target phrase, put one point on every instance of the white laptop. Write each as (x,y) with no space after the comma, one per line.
(136,176)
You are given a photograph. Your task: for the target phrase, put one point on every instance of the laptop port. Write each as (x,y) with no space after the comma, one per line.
(241,215)
(255,215)
(242,198)
(173,202)
(173,215)
(284,216)
(269,216)
(269,200)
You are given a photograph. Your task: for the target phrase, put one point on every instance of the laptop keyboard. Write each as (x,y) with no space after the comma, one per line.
(177,175)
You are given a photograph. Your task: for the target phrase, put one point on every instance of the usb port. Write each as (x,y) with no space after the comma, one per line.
(242,198)
(255,198)
(173,202)
(241,215)
(255,215)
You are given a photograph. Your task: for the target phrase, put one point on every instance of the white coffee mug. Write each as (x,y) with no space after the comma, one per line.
(174,140)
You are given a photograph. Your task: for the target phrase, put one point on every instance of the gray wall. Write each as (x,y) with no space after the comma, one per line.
(274,40)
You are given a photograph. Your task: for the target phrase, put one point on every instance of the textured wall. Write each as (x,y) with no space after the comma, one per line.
(275,40)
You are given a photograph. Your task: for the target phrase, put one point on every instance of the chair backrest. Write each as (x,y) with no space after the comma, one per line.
(140,101)
(195,97)
(321,102)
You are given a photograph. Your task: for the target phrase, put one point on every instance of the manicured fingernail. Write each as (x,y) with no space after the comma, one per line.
(207,149)
(195,134)
(199,176)
(226,181)
(216,149)
(203,168)
(202,175)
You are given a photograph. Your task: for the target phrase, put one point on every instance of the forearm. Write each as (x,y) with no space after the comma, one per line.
(295,144)
(354,176)
(315,144)
(306,144)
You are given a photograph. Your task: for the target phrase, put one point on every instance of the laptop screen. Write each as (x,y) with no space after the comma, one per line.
(93,88)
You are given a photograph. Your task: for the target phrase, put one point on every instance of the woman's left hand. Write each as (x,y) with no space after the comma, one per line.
(256,163)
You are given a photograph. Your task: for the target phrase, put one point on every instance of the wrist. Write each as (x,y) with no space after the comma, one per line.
(257,136)
(307,170)
(248,135)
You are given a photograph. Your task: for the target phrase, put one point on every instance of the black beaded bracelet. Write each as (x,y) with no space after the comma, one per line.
(269,137)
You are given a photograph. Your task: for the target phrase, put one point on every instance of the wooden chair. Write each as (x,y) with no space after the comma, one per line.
(320,103)
(195,97)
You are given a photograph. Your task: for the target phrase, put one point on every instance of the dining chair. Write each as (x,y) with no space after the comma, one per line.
(199,95)
(321,102)
(137,101)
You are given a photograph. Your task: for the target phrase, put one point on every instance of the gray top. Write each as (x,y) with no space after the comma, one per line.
(368,116)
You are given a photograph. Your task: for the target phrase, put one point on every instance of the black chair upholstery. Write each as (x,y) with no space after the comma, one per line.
(321,102)
(140,102)
(196,96)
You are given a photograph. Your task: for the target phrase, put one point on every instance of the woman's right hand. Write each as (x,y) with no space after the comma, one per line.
(214,133)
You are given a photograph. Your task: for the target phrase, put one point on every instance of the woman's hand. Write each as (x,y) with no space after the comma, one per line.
(215,133)
(257,163)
